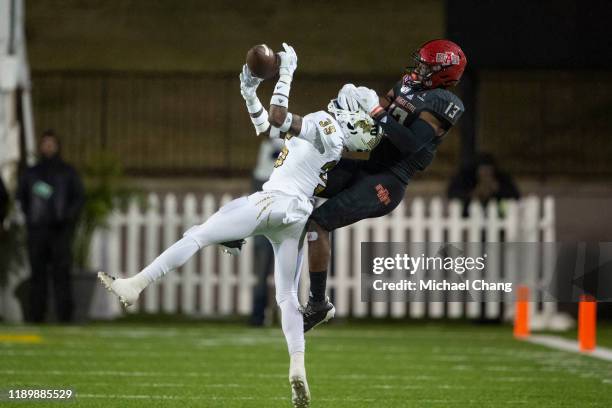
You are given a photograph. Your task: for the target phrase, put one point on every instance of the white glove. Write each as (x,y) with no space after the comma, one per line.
(248,84)
(348,98)
(367,98)
(288,61)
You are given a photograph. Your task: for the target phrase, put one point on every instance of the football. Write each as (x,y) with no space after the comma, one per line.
(262,61)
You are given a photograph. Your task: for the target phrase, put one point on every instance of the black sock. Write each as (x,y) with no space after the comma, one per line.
(318,281)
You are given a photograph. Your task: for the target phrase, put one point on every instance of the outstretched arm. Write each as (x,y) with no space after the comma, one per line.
(248,90)
(280,116)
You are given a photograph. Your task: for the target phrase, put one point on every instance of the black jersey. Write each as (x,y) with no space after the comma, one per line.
(406,105)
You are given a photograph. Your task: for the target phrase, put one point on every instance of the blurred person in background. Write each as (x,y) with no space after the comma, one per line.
(51,197)
(263,258)
(482,180)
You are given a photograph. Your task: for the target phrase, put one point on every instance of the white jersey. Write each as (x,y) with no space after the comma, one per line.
(302,166)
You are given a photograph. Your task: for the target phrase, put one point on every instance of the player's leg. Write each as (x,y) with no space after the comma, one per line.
(235,220)
(318,309)
(285,266)
(373,195)
(319,253)
(343,175)
(286,278)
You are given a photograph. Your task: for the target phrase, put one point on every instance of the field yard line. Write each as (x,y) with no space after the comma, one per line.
(198,374)
(560,343)
(190,374)
(170,397)
(212,397)
(109,373)
(218,398)
(171,332)
(141,384)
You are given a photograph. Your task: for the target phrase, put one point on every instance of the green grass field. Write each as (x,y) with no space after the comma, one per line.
(351,365)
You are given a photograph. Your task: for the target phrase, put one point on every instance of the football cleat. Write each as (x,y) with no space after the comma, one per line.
(300,394)
(233,248)
(127,294)
(316,313)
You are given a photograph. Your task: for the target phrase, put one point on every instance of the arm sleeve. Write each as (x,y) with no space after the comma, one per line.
(445,106)
(408,139)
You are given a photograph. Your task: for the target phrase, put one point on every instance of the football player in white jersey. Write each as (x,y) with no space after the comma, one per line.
(313,144)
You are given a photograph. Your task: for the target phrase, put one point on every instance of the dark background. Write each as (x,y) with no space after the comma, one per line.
(155,82)
(525,34)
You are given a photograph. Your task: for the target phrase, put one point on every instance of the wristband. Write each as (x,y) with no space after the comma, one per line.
(261,118)
(261,128)
(279,100)
(376,111)
(285,77)
(254,105)
(282,88)
(280,96)
(287,123)
(261,122)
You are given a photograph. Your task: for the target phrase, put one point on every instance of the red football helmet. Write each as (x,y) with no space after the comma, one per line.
(439,64)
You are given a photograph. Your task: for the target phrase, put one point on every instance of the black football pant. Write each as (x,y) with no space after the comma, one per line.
(356,191)
(50,255)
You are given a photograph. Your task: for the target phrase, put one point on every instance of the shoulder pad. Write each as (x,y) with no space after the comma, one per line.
(444,104)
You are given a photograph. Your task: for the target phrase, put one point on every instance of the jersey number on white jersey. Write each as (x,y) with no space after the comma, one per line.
(282,156)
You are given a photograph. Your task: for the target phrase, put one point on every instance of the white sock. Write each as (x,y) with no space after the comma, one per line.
(172,258)
(292,323)
(296,365)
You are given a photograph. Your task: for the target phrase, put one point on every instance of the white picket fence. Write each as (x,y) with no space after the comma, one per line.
(213,284)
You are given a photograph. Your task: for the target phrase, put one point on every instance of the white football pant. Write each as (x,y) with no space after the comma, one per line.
(281,218)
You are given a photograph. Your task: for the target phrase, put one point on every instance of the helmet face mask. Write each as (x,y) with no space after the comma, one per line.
(419,76)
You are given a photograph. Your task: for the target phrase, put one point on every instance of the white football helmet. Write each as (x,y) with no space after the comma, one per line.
(362,133)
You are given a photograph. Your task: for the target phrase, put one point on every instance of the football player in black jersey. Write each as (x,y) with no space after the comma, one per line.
(415,115)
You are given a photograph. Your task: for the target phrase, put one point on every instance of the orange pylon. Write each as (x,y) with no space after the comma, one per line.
(587,322)
(521,313)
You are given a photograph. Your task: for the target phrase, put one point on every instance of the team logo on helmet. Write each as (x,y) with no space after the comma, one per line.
(447,58)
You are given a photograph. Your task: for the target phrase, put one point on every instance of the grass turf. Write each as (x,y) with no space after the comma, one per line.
(353,365)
